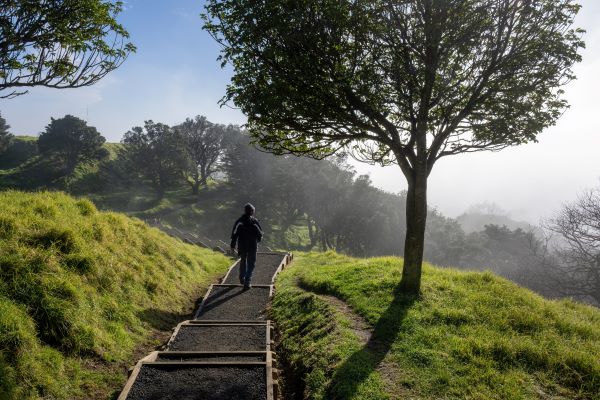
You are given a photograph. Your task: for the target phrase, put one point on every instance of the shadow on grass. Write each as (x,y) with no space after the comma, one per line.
(357,368)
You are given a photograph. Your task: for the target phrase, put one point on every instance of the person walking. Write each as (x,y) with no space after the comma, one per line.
(246,233)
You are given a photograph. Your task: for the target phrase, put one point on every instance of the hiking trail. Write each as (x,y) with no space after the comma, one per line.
(225,352)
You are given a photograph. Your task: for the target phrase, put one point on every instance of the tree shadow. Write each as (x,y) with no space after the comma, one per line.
(161,319)
(357,368)
(214,300)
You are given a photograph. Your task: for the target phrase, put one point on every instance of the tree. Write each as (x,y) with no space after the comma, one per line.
(59,44)
(204,146)
(71,140)
(5,135)
(403,82)
(574,264)
(154,151)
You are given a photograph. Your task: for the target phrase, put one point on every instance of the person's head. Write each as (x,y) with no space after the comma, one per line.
(249,209)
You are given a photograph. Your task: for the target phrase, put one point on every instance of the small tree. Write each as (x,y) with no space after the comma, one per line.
(155,153)
(204,146)
(403,82)
(59,44)
(5,135)
(70,140)
(575,264)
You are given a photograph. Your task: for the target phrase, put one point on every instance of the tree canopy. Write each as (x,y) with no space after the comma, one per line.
(203,144)
(403,82)
(154,152)
(59,44)
(71,140)
(5,135)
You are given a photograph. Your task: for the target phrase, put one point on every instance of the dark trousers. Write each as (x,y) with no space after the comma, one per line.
(247,263)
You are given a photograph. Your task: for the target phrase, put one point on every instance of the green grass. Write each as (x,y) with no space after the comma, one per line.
(469,336)
(80,288)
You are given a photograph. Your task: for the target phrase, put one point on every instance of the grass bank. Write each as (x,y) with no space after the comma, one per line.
(80,289)
(469,336)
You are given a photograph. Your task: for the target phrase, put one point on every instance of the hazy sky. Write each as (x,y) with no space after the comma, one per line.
(174,75)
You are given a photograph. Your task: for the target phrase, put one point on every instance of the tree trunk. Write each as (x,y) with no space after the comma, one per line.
(203,175)
(196,186)
(312,232)
(416,218)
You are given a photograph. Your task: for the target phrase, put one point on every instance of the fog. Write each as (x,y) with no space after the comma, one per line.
(530,181)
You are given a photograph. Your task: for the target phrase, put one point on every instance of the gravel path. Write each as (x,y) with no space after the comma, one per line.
(234,303)
(266,266)
(220,338)
(233,381)
(200,383)
(211,357)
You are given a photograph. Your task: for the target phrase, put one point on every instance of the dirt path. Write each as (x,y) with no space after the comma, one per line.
(388,370)
(359,326)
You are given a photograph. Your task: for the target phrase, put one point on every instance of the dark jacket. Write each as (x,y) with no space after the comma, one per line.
(247,232)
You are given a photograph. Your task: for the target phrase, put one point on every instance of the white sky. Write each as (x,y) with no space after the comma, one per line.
(174,75)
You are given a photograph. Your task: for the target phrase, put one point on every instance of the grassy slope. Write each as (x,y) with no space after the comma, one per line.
(81,289)
(111,186)
(469,336)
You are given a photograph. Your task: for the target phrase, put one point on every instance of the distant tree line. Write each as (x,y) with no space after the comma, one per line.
(324,200)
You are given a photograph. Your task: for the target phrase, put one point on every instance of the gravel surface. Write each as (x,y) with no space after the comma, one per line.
(212,357)
(200,383)
(234,303)
(266,265)
(220,338)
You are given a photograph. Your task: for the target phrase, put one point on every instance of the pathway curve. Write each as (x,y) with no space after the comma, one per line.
(225,352)
(388,370)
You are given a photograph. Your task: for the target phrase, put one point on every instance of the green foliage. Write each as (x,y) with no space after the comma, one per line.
(375,77)
(69,43)
(469,336)
(71,141)
(155,151)
(5,136)
(19,150)
(80,285)
(204,144)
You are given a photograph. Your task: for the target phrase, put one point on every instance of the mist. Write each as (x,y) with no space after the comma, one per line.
(530,181)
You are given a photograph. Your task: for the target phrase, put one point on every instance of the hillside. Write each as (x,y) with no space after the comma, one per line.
(81,290)
(112,186)
(346,334)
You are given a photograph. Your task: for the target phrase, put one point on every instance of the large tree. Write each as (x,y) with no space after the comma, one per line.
(403,82)
(5,135)
(204,146)
(70,140)
(58,43)
(155,153)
